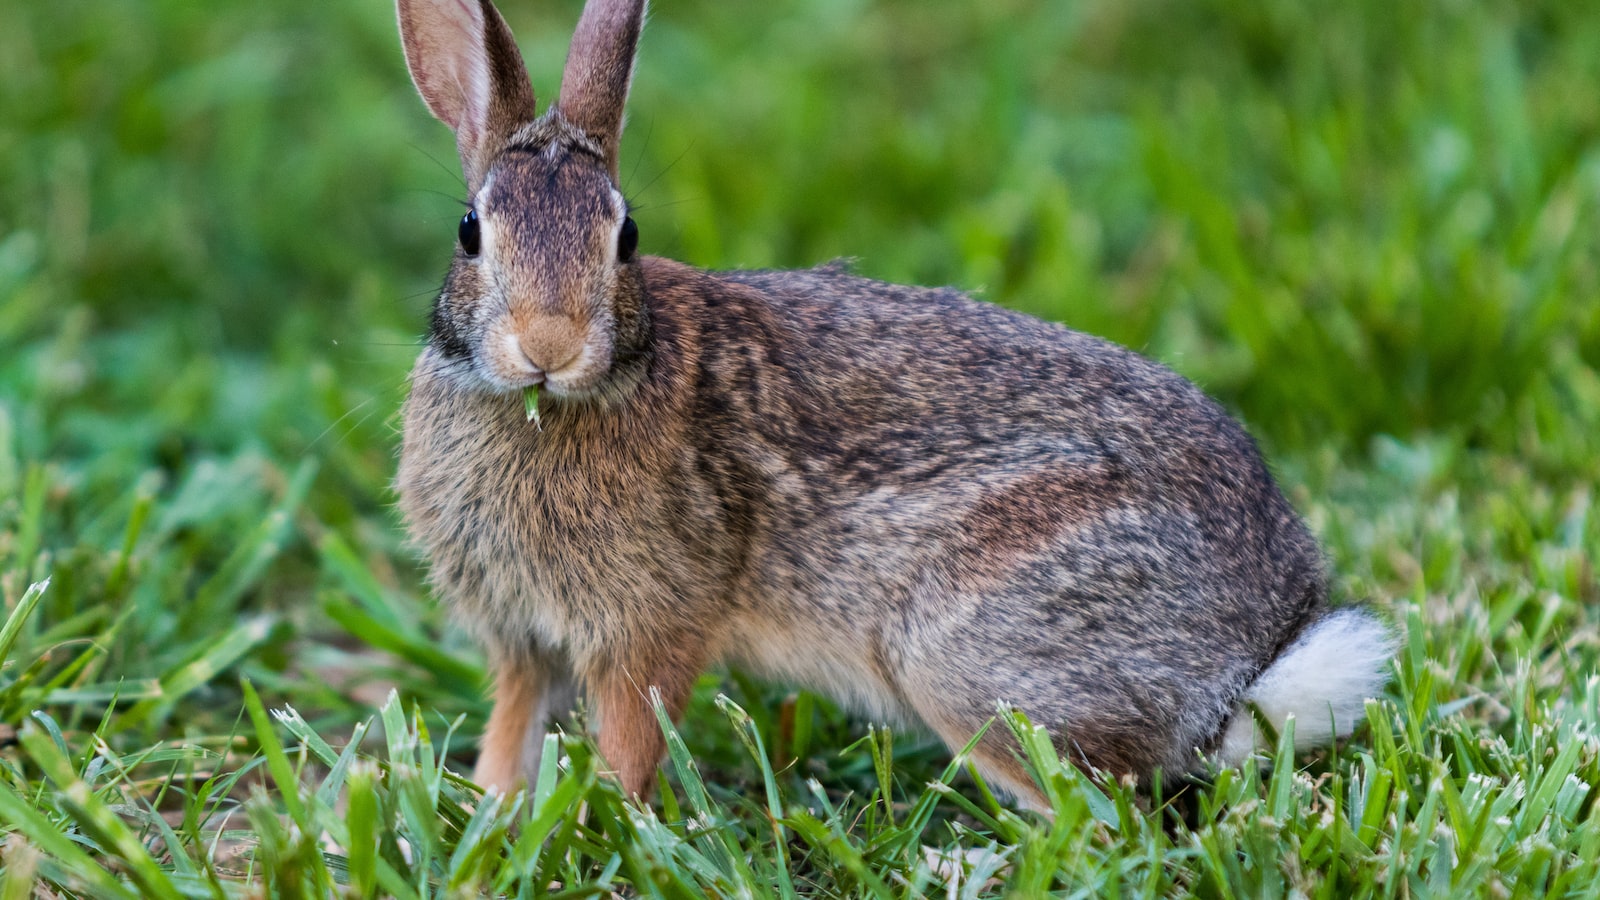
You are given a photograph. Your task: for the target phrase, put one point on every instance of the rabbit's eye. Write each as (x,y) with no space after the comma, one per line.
(468,232)
(627,240)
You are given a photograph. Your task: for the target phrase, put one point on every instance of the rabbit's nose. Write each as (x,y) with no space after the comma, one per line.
(512,362)
(550,342)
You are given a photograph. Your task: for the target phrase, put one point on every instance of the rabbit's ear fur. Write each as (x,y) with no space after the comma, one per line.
(469,72)
(594,85)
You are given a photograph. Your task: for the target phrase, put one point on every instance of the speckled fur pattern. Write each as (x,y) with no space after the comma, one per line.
(918,503)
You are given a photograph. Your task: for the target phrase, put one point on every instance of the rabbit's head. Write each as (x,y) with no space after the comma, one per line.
(545,287)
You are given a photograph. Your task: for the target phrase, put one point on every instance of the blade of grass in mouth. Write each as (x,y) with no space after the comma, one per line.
(530,405)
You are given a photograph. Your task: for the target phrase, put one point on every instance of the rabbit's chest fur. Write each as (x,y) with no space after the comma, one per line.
(553,546)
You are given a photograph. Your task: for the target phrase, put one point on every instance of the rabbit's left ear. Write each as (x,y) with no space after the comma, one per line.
(594,85)
(469,72)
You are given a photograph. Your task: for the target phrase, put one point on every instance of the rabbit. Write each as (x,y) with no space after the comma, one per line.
(917,503)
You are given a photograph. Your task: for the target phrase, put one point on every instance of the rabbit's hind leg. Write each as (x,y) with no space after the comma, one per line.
(996,755)
(1088,728)
(1109,702)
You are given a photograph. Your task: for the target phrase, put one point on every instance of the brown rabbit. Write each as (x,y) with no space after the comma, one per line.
(918,503)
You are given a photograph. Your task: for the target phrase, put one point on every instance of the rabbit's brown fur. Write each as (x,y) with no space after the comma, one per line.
(922,504)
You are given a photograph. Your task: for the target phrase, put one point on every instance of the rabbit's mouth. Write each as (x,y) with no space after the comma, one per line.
(557,355)
(581,376)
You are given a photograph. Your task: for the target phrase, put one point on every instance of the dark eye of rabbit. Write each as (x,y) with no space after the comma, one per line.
(468,232)
(627,240)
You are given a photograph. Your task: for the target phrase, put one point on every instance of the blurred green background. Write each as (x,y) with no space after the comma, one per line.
(222,225)
(1368,227)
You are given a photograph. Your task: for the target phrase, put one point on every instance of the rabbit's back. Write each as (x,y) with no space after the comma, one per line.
(1000,429)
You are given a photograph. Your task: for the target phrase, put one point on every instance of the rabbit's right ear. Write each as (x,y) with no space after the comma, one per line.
(468,70)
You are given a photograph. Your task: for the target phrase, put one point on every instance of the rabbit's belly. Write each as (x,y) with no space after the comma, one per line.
(845,665)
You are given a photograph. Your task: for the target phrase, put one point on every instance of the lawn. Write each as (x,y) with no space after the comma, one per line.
(1371,229)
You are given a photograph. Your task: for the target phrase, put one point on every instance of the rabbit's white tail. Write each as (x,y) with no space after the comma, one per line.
(1323,679)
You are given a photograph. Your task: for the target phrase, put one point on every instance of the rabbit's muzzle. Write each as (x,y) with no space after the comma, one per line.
(550,349)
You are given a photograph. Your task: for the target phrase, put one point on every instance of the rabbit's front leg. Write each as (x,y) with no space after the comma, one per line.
(630,737)
(528,689)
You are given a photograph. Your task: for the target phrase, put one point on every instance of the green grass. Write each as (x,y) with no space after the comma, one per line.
(1370,228)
